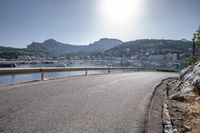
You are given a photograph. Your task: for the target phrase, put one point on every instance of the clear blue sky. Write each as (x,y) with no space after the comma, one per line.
(84,21)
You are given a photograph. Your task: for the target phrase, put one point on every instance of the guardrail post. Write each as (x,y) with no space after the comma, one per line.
(42,76)
(86,72)
(108,71)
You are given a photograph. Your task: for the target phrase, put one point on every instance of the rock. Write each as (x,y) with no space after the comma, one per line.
(187,128)
(184,91)
(189,82)
(177,97)
(1,130)
(198,99)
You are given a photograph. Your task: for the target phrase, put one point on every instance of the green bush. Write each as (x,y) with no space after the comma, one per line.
(192,60)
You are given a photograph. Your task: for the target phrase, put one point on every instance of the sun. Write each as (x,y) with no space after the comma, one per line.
(120,10)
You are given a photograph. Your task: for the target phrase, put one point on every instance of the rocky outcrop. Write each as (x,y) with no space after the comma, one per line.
(184,101)
(189,82)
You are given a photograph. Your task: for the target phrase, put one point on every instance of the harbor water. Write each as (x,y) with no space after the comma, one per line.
(13,79)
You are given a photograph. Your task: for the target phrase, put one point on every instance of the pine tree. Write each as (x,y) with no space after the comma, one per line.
(196,42)
(196,48)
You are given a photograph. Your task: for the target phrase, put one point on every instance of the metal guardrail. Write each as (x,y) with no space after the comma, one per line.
(18,71)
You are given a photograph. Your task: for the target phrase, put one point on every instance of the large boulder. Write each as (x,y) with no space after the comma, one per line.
(189,82)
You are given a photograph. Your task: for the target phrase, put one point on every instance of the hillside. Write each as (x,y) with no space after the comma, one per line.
(54,47)
(149,52)
(13,53)
(152,47)
(149,47)
(104,44)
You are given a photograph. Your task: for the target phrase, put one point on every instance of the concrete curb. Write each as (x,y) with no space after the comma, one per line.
(154,122)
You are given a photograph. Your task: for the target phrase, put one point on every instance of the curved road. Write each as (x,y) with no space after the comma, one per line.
(114,103)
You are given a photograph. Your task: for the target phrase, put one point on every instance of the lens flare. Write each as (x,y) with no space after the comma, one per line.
(120,11)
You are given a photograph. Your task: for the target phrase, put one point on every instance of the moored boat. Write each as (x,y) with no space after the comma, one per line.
(7,65)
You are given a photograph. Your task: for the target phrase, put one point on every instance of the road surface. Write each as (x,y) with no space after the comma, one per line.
(112,103)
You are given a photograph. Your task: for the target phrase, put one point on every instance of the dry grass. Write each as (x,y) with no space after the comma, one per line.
(186,115)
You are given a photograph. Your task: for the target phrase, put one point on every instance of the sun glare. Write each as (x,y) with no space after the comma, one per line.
(119,11)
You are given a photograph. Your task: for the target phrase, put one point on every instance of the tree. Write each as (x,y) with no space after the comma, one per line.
(196,49)
(196,42)
(198,37)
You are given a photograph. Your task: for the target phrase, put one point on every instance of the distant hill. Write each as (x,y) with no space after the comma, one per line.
(147,47)
(153,50)
(10,49)
(13,53)
(104,44)
(54,47)
(148,53)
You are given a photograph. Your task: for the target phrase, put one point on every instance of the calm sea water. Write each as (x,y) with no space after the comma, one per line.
(4,80)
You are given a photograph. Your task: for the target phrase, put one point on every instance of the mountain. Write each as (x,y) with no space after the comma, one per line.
(54,47)
(144,52)
(150,47)
(104,44)
(13,53)
(10,49)
(148,53)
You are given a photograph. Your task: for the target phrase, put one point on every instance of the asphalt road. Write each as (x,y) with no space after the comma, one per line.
(112,103)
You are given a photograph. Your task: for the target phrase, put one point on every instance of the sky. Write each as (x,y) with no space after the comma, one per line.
(81,22)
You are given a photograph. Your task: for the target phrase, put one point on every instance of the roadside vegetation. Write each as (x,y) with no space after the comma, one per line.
(196,48)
